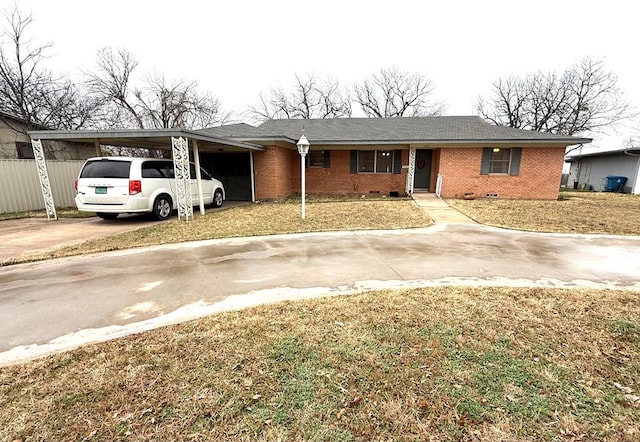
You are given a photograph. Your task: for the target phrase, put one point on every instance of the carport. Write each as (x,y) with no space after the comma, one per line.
(176,140)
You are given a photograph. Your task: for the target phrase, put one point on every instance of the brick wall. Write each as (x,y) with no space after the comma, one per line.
(339,180)
(539,178)
(273,169)
(277,174)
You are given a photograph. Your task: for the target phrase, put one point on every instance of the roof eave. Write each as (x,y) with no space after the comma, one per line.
(137,133)
(563,141)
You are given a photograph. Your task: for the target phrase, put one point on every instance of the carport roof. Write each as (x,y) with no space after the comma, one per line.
(440,129)
(144,138)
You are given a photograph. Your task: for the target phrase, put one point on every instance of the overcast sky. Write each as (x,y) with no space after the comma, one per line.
(236,48)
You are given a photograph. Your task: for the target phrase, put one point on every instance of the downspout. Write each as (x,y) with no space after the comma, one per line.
(636,182)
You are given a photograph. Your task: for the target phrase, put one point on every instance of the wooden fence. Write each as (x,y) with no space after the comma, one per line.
(20,186)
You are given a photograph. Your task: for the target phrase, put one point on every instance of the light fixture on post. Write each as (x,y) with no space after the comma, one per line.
(303,150)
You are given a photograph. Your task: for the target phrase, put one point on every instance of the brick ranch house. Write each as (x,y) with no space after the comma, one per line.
(455,157)
(403,155)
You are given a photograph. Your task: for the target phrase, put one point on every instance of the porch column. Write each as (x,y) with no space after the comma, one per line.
(412,170)
(180,150)
(196,159)
(98,150)
(253,178)
(43,175)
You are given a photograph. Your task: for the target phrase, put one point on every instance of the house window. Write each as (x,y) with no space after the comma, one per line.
(500,161)
(376,161)
(366,161)
(318,158)
(384,161)
(24,150)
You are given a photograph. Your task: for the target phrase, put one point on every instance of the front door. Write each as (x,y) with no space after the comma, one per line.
(422,176)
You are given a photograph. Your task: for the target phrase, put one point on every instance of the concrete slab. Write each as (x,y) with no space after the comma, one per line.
(29,235)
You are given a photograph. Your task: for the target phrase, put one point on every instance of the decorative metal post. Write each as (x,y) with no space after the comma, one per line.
(45,185)
(412,170)
(180,149)
(303,150)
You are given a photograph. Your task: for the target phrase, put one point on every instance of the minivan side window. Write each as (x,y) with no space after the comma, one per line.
(155,169)
(106,169)
(203,173)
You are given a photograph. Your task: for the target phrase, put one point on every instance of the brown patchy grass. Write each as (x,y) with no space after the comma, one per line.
(573,212)
(64,212)
(256,220)
(476,364)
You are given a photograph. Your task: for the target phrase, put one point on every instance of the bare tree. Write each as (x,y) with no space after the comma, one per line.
(154,103)
(311,97)
(396,93)
(28,90)
(584,98)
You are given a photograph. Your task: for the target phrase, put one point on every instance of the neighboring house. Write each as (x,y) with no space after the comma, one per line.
(15,142)
(459,156)
(19,179)
(589,171)
(378,155)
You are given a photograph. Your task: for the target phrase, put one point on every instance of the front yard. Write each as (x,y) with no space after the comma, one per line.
(574,212)
(442,364)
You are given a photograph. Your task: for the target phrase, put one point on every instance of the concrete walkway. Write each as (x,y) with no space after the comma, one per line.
(439,210)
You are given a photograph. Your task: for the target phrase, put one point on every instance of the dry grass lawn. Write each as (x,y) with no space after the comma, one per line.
(574,212)
(438,364)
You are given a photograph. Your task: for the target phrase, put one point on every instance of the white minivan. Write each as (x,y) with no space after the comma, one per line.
(109,186)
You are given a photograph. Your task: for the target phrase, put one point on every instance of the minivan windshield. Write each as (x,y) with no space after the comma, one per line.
(106,169)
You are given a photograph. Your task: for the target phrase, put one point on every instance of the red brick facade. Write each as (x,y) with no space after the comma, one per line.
(274,171)
(539,177)
(277,174)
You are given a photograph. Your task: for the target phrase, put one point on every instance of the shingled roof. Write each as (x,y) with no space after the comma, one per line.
(452,129)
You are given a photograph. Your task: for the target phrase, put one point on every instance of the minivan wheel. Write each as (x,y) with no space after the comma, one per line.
(162,207)
(217,198)
(107,215)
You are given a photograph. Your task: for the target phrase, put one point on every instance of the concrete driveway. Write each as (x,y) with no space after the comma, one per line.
(59,304)
(29,235)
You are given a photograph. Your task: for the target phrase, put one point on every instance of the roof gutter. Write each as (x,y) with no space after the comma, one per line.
(137,133)
(433,143)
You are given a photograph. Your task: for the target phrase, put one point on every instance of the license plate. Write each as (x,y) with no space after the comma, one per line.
(101,190)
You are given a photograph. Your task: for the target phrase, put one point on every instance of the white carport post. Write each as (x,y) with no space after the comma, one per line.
(196,159)
(43,175)
(253,179)
(412,170)
(180,149)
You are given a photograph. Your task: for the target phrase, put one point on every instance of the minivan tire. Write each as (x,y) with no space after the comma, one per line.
(107,215)
(217,198)
(162,207)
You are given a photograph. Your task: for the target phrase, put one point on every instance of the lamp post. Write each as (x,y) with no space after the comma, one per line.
(303,150)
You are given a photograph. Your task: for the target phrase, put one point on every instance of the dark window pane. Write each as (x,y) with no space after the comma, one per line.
(366,160)
(25,151)
(106,169)
(154,169)
(315,158)
(384,161)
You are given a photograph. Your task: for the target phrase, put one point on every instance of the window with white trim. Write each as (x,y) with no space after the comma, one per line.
(500,160)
